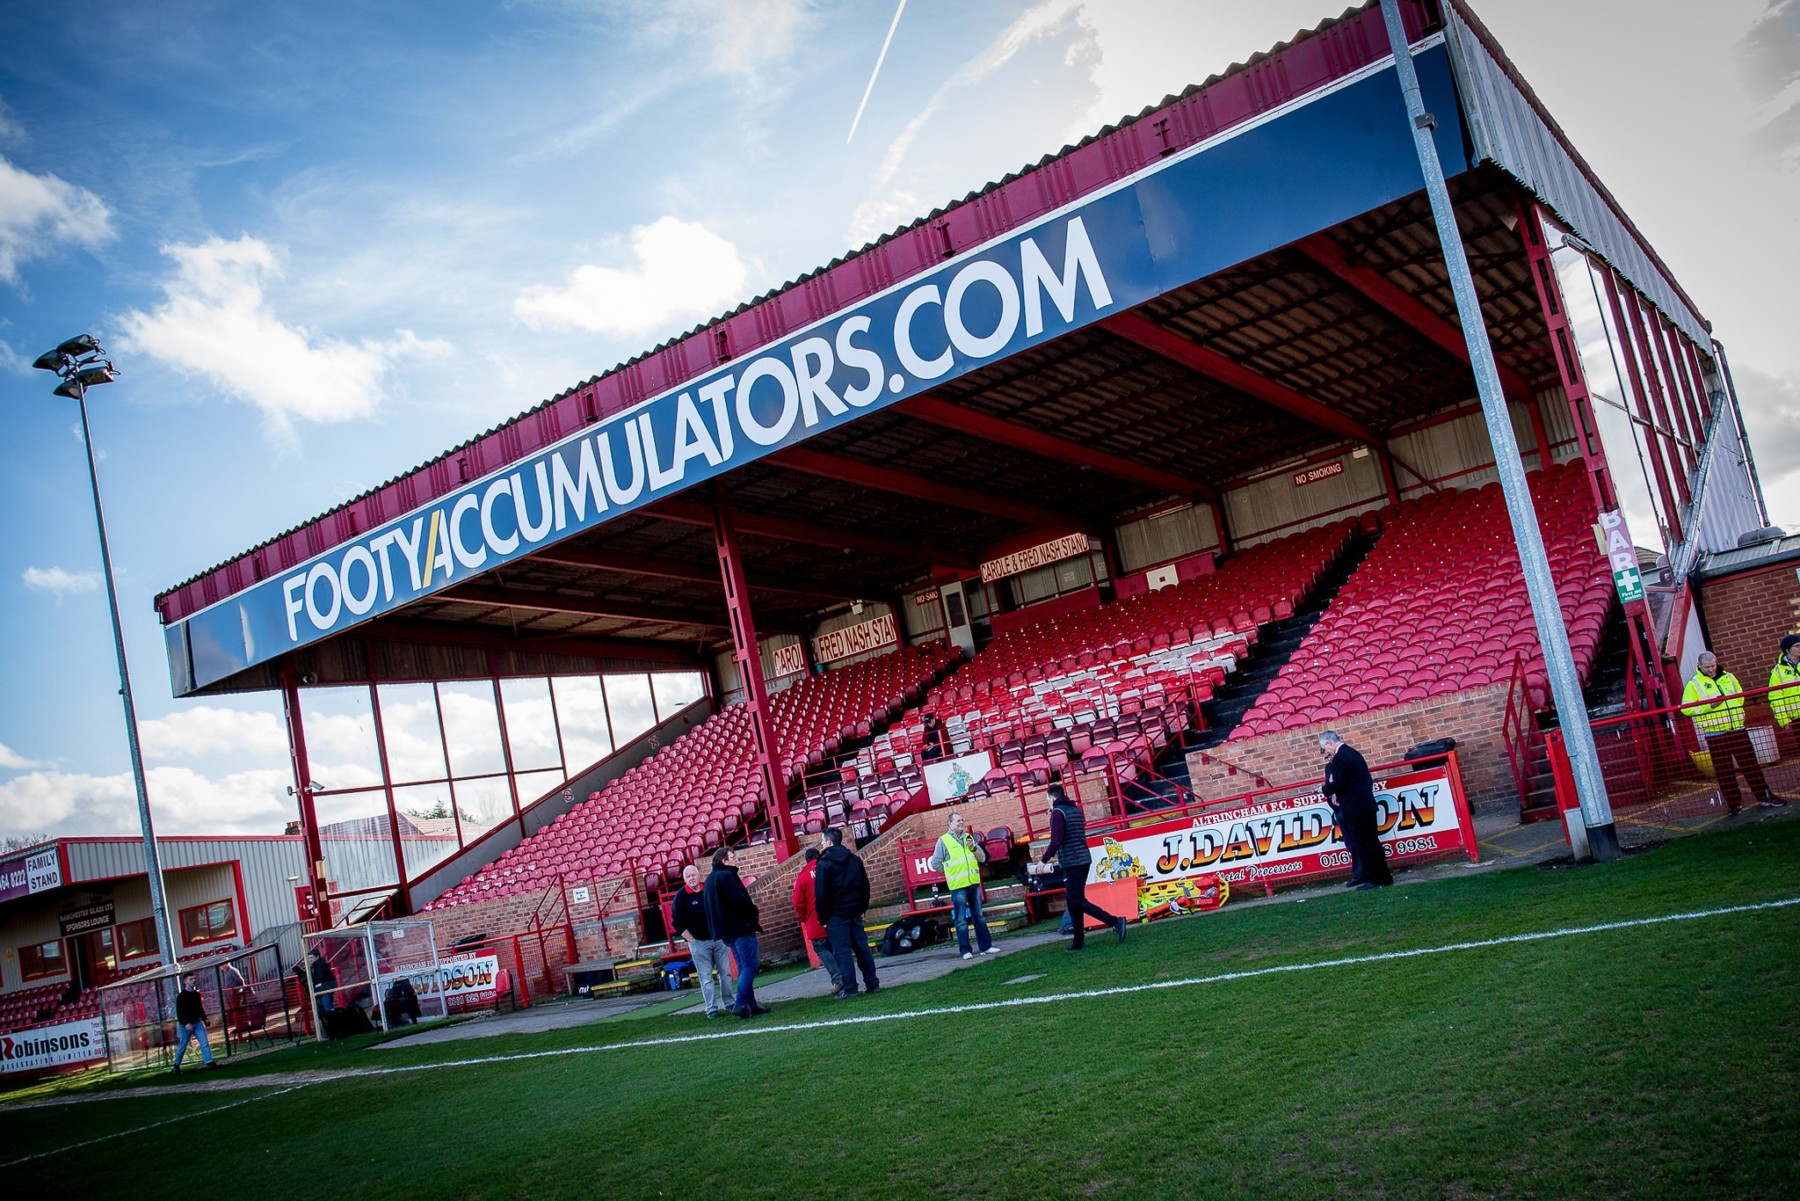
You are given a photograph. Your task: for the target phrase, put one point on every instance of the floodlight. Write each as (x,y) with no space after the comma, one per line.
(50,360)
(79,345)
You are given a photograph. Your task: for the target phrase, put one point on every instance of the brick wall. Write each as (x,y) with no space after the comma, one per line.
(541,961)
(1472,717)
(1746,616)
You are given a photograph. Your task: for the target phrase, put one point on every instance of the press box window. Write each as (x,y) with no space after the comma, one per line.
(44,959)
(208,923)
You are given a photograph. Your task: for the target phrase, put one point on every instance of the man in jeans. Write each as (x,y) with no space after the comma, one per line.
(190,1022)
(960,857)
(734,920)
(687,917)
(841,895)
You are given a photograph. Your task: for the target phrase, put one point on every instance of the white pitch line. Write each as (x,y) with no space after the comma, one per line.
(1118,990)
(13,1163)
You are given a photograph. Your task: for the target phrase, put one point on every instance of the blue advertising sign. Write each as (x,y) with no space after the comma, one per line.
(1330,156)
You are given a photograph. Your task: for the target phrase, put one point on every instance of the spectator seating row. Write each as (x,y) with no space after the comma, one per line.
(22,1008)
(1260,584)
(702,789)
(1440,606)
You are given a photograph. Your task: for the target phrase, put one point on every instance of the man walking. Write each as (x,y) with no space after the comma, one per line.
(960,857)
(712,959)
(1351,792)
(1068,843)
(733,918)
(807,910)
(841,897)
(191,1022)
(1714,700)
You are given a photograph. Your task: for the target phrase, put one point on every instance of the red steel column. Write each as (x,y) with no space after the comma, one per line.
(404,895)
(309,820)
(756,692)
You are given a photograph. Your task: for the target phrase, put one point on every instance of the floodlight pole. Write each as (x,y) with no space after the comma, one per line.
(159,910)
(1559,661)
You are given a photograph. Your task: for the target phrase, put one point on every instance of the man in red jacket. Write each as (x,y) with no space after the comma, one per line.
(806,909)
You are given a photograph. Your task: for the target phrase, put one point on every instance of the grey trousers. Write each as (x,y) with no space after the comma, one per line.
(822,948)
(713,956)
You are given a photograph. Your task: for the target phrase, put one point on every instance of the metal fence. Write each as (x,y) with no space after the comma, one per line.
(1666,768)
(247,997)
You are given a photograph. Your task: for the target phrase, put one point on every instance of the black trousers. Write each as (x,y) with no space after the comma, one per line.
(1075,895)
(1732,753)
(1368,862)
(850,944)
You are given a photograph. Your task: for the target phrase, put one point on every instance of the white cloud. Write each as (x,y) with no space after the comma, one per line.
(741,40)
(889,207)
(212,730)
(182,800)
(682,271)
(216,323)
(11,760)
(60,583)
(38,212)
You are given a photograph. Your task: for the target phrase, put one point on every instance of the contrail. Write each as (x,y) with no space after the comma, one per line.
(879,59)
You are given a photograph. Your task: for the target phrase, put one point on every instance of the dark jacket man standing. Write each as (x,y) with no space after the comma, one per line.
(1351,791)
(1068,844)
(841,897)
(733,918)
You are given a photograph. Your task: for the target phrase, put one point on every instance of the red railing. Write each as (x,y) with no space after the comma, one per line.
(1657,767)
(1519,733)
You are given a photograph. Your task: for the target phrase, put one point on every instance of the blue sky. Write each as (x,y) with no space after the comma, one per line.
(325,242)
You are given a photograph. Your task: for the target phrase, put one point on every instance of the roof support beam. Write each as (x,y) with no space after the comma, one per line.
(544,601)
(1397,302)
(1021,437)
(426,633)
(1216,367)
(885,479)
(645,565)
(782,530)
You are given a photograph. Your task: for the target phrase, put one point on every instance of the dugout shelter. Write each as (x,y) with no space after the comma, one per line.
(1090,433)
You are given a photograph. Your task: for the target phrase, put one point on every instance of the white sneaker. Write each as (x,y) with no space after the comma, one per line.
(991,951)
(968,954)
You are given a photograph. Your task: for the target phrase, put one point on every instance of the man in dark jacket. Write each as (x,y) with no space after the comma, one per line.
(1351,792)
(191,1022)
(1068,844)
(712,958)
(734,921)
(841,897)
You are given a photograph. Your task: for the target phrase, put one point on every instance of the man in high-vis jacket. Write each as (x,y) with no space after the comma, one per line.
(1714,700)
(1784,678)
(960,857)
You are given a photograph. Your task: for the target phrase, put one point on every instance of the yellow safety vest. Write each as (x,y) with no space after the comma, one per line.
(961,868)
(1785,700)
(1727,709)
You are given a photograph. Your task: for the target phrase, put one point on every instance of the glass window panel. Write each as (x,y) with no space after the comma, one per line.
(472,728)
(534,786)
(629,699)
(409,723)
(675,691)
(581,714)
(481,805)
(530,724)
(428,830)
(340,736)
(137,939)
(357,838)
(43,959)
(1073,575)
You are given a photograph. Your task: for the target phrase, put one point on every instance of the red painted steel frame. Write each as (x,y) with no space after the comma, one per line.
(1649,687)
(750,676)
(309,820)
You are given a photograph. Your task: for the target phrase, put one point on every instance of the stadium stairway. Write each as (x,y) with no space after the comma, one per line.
(1277,642)
(1604,695)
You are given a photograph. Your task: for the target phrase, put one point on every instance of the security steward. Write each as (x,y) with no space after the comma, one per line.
(1714,700)
(1784,679)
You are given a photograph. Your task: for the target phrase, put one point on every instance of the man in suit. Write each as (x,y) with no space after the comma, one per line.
(1351,792)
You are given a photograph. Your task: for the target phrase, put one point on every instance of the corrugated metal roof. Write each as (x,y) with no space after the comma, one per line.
(1750,558)
(723,337)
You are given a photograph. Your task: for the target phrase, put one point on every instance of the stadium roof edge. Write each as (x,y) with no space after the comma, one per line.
(773,293)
